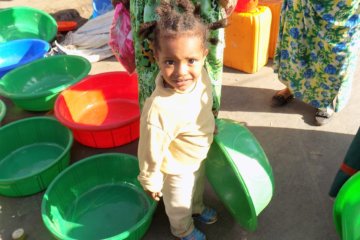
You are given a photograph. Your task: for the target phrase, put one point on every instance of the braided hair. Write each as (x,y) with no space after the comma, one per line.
(181,17)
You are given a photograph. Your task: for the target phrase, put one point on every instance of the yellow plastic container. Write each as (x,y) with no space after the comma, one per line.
(275,7)
(247,40)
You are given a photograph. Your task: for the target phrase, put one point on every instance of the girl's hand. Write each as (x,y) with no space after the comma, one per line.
(154,195)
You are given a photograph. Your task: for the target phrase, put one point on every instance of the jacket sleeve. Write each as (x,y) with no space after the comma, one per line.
(153,143)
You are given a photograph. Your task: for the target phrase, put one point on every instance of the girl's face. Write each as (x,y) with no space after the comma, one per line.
(181,60)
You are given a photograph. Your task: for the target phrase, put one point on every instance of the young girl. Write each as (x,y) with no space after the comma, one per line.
(177,123)
(143,11)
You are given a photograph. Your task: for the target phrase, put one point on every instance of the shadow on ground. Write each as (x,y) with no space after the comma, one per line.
(304,163)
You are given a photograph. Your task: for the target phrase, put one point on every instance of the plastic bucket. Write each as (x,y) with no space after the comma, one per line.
(98,198)
(20,52)
(26,22)
(36,85)
(102,110)
(33,151)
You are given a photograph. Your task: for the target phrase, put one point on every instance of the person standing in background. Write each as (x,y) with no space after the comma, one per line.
(316,54)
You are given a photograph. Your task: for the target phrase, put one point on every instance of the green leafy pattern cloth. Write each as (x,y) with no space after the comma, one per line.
(317,50)
(144,11)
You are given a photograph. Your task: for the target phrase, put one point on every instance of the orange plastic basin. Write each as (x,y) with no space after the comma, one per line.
(101,110)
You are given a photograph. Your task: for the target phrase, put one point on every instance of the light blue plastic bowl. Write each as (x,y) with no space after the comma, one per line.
(20,52)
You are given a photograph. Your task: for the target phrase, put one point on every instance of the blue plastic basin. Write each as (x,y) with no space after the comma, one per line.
(19,52)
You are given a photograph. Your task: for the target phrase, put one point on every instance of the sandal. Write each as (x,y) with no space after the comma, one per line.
(322,117)
(194,235)
(279,100)
(208,216)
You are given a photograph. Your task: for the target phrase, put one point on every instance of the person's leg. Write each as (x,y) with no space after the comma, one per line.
(200,212)
(197,200)
(177,197)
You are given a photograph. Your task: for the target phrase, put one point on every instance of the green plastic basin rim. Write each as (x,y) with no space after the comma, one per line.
(53,21)
(348,196)
(83,161)
(2,110)
(87,67)
(66,150)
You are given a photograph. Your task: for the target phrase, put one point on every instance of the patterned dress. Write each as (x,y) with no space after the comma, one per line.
(317,50)
(146,68)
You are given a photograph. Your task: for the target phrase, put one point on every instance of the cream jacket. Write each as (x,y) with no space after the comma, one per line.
(176,131)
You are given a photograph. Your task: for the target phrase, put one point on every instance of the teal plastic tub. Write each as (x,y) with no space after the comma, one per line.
(346,210)
(239,172)
(33,151)
(2,110)
(36,85)
(26,22)
(98,197)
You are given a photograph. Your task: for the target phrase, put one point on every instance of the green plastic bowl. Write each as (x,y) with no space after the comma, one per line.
(33,151)
(98,197)
(2,110)
(346,210)
(239,172)
(36,85)
(26,22)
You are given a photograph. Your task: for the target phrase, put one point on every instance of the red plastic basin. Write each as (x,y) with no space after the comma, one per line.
(102,110)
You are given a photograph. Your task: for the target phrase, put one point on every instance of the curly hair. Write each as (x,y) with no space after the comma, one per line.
(179,17)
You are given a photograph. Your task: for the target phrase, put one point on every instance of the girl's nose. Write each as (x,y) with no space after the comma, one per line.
(182,69)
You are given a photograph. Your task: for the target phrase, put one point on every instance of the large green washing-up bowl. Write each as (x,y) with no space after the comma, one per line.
(26,22)
(239,172)
(32,152)
(36,85)
(98,198)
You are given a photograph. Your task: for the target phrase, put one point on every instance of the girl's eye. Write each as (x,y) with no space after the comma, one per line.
(169,62)
(192,61)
